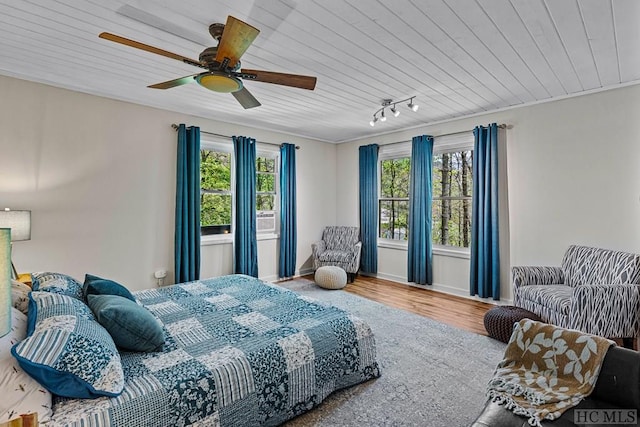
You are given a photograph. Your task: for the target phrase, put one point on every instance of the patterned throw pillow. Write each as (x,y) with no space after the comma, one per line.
(57,283)
(67,350)
(20,393)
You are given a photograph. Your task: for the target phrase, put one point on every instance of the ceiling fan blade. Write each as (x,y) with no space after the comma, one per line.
(293,80)
(132,43)
(173,83)
(244,97)
(236,38)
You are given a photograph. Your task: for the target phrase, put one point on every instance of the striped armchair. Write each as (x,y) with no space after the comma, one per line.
(595,291)
(340,246)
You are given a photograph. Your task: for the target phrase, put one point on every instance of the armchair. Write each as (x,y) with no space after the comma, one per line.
(340,246)
(595,291)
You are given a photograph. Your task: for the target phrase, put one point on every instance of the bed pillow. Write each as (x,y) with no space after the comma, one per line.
(20,394)
(94,285)
(57,283)
(131,326)
(68,351)
(20,296)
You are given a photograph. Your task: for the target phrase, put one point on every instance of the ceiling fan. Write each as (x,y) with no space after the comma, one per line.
(222,63)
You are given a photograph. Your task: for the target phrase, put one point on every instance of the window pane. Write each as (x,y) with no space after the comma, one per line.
(215,209)
(451,223)
(452,174)
(265,183)
(394,178)
(265,164)
(394,216)
(265,202)
(215,170)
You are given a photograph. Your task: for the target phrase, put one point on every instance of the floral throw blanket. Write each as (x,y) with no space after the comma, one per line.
(546,370)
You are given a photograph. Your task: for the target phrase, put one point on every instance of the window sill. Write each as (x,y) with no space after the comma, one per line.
(463,253)
(227,239)
(437,250)
(216,239)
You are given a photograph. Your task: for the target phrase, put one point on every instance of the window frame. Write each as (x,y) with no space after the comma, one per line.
(461,141)
(268,151)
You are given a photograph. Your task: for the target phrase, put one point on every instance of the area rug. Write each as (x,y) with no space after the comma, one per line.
(433,375)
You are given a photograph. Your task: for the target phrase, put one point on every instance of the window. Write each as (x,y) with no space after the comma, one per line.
(215,191)
(393,204)
(265,183)
(452,186)
(452,189)
(216,188)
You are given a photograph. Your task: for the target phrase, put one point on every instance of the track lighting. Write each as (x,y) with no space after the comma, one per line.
(393,108)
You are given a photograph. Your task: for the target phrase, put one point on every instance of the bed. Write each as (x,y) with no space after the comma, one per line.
(237,352)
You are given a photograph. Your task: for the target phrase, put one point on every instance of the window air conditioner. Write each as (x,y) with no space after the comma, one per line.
(266,221)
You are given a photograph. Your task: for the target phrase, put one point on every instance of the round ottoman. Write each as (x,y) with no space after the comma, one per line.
(499,320)
(331,277)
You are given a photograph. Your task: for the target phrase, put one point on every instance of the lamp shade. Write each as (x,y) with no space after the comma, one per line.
(5,281)
(19,222)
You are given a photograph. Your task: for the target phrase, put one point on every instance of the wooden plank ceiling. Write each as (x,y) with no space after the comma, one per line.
(457,57)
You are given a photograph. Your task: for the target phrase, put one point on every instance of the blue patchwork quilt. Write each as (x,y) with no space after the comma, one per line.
(238,352)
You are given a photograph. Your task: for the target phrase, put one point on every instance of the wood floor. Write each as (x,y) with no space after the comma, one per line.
(460,312)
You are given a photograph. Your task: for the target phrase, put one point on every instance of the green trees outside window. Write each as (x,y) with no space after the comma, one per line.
(265,183)
(216,193)
(452,188)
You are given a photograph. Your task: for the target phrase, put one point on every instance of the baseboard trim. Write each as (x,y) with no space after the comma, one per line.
(445,289)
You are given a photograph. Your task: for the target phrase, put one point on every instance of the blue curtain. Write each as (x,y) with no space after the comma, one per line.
(485,254)
(245,256)
(187,233)
(420,266)
(369,207)
(288,231)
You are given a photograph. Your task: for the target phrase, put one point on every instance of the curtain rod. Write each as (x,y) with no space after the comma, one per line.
(175,127)
(502,126)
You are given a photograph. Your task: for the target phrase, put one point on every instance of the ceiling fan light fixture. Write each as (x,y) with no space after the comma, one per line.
(219,82)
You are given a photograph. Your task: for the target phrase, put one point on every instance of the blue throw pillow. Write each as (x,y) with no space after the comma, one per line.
(94,285)
(67,351)
(57,283)
(131,326)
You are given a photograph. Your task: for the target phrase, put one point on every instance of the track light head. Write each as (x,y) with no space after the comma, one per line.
(383,118)
(373,121)
(413,106)
(395,111)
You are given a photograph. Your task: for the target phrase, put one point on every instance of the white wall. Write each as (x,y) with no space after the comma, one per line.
(99,178)
(571,176)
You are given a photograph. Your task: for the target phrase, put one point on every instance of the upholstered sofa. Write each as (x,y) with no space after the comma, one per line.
(340,246)
(594,290)
(618,387)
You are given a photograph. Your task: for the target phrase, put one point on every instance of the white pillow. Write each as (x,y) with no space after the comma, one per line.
(19,393)
(20,296)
